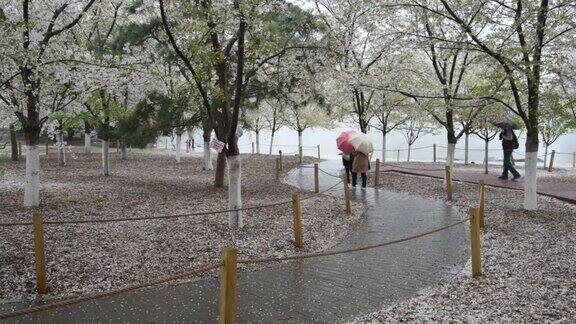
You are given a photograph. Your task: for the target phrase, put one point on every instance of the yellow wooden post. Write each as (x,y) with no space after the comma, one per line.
(316,179)
(227,313)
(551,165)
(297,213)
(448,180)
(300,154)
(377,173)
(347,195)
(481,203)
(398,156)
(39,254)
(277,168)
(475,243)
(434,152)
(19,150)
(280,157)
(318,153)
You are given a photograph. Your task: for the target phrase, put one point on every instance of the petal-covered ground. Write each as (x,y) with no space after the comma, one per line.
(84,258)
(528,262)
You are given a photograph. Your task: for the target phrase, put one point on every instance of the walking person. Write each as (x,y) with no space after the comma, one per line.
(509,144)
(347,160)
(360,164)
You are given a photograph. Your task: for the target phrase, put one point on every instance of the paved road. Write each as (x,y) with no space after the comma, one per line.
(562,190)
(320,290)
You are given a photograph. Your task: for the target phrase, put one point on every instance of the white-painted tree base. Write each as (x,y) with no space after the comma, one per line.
(105,155)
(208,166)
(383,147)
(486,157)
(451,148)
(178,149)
(32,185)
(450,155)
(87,143)
(271,144)
(466,148)
(235,191)
(61,149)
(530,181)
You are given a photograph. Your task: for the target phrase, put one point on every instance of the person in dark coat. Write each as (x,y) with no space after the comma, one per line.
(347,160)
(509,143)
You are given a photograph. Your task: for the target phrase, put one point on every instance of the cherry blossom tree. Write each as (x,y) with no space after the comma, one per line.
(230,42)
(520,36)
(35,35)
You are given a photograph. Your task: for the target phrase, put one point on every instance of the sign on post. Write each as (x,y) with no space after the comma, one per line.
(217,145)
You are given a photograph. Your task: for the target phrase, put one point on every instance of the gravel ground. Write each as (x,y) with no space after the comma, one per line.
(528,262)
(83,258)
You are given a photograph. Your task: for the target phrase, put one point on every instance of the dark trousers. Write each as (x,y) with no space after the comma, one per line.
(355,176)
(508,164)
(347,168)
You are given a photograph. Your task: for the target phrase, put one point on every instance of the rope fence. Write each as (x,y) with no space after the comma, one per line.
(144,218)
(228,264)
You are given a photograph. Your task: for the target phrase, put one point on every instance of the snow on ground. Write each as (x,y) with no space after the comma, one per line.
(528,262)
(84,258)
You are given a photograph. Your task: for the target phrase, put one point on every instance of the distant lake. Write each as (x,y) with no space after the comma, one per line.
(287,140)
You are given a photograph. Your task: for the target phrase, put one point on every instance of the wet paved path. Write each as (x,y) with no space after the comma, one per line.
(319,290)
(562,190)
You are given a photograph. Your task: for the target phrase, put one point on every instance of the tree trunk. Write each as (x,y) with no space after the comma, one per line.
(486,156)
(271,143)
(235,219)
(190,134)
(531,167)
(220,170)
(207,157)
(123,148)
(258,142)
(466,148)
(32,186)
(409,150)
(61,147)
(206,133)
(299,138)
(545,155)
(383,146)
(105,149)
(530,181)
(450,155)
(87,143)
(178,143)
(13,143)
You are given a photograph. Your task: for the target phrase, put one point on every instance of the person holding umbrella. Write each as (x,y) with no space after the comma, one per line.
(359,146)
(509,144)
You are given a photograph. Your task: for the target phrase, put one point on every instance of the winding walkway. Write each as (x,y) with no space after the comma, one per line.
(318,290)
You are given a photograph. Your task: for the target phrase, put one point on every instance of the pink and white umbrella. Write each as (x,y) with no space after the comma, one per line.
(343,142)
(350,140)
